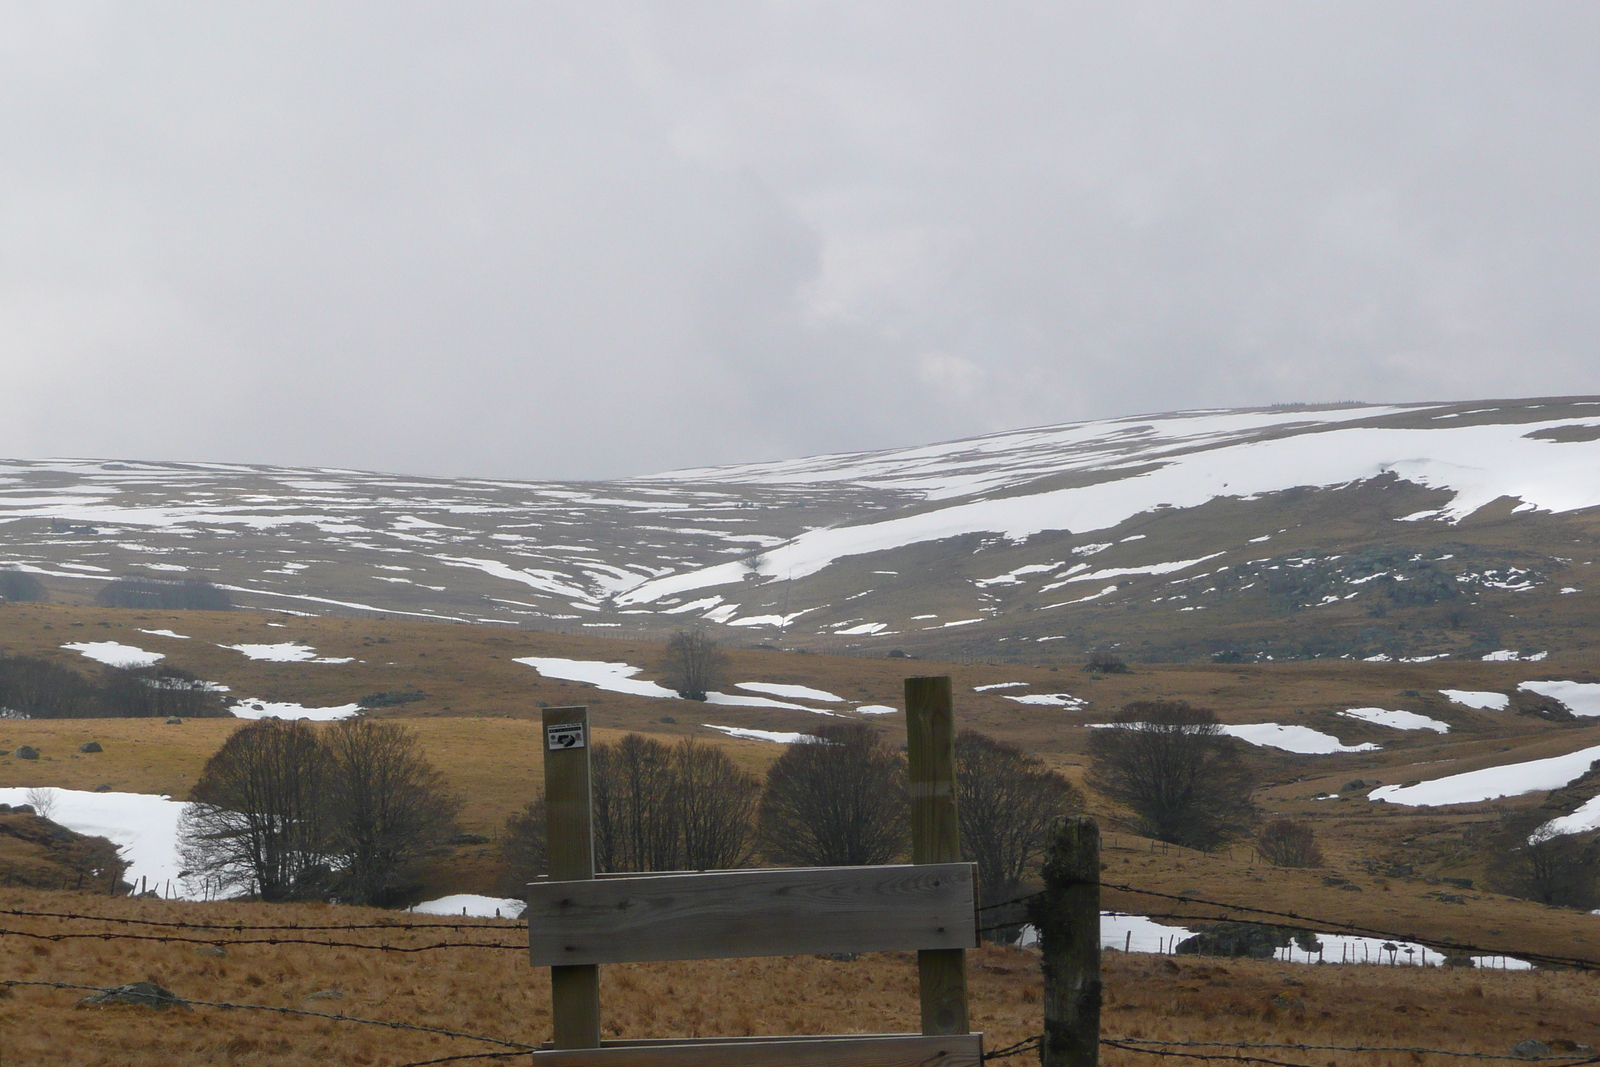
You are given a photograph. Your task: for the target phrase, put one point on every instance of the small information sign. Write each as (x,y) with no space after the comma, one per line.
(564,735)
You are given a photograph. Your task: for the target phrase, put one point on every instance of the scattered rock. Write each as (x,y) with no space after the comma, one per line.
(1399,870)
(668,719)
(1352,785)
(1451,898)
(842,957)
(90,746)
(468,839)
(325,994)
(174,721)
(103,788)
(27,752)
(210,950)
(22,809)
(1459,883)
(1528,1049)
(150,995)
(1350,887)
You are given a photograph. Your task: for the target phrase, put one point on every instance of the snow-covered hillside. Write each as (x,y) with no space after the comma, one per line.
(1024,536)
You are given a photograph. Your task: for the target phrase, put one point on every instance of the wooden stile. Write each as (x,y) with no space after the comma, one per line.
(574,990)
(935,838)
(751,913)
(879,1050)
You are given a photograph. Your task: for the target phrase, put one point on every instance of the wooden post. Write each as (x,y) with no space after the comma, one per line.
(935,838)
(574,991)
(1067,915)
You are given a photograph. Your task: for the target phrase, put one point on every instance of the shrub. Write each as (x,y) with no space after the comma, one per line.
(1178,772)
(163,594)
(1287,843)
(693,665)
(35,688)
(157,692)
(20,586)
(1106,663)
(836,801)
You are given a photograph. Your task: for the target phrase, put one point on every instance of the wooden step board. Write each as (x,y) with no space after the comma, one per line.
(874,1050)
(752,913)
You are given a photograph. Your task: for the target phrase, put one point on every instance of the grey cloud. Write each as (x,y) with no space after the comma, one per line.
(588,240)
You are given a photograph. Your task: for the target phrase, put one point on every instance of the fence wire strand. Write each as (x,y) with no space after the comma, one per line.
(224,942)
(486,924)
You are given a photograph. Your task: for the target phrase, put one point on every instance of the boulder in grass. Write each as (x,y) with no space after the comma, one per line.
(174,721)
(1529,1049)
(143,994)
(27,752)
(90,746)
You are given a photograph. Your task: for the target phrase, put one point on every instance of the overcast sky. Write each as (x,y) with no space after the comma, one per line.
(584,240)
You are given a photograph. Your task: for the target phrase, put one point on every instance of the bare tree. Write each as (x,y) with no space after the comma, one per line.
(163,594)
(693,665)
(1178,772)
(635,806)
(157,692)
(839,800)
(38,689)
(258,818)
(388,807)
(716,807)
(522,846)
(1005,801)
(1531,862)
(1287,843)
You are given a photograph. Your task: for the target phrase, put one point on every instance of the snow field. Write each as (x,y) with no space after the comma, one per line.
(286,652)
(472,905)
(1478,700)
(115,654)
(1298,739)
(253,708)
(143,827)
(1490,783)
(1399,720)
(774,736)
(1580,698)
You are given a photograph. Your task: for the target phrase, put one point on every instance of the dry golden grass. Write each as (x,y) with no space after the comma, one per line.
(497,994)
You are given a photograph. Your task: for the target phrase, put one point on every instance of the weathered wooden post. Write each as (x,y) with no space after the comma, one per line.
(935,838)
(574,990)
(1067,916)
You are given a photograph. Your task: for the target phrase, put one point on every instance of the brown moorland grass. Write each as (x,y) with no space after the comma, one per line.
(497,994)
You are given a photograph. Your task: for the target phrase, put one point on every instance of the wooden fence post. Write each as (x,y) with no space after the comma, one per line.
(575,990)
(935,838)
(1067,916)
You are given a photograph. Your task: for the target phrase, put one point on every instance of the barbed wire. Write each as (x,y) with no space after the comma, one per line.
(225,942)
(1113,1043)
(521,1046)
(463,1056)
(185,925)
(1027,1044)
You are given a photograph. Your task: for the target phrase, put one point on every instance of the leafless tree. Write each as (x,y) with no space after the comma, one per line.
(839,800)
(1533,863)
(1182,777)
(635,806)
(1288,843)
(388,807)
(1005,800)
(157,692)
(258,821)
(522,846)
(38,689)
(163,594)
(693,665)
(716,806)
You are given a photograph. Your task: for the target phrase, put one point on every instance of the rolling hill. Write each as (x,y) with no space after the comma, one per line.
(1398,531)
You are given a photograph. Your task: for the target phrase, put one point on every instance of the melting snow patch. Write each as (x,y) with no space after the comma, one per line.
(1506,655)
(1491,783)
(1301,739)
(799,692)
(612,677)
(473,906)
(142,826)
(1054,700)
(113,654)
(875,709)
(997,685)
(266,709)
(1481,701)
(287,652)
(760,735)
(1580,698)
(872,628)
(739,700)
(165,633)
(1399,720)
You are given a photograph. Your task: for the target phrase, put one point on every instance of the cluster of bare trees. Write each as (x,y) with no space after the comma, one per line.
(693,665)
(20,586)
(288,812)
(163,594)
(35,688)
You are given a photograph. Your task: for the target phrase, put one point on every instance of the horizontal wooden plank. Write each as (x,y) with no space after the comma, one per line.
(752,913)
(877,1050)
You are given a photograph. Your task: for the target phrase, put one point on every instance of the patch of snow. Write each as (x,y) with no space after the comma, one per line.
(1054,700)
(962,622)
(266,709)
(1301,739)
(997,685)
(739,700)
(1583,820)
(1118,572)
(875,709)
(473,906)
(759,735)
(143,827)
(1399,720)
(166,633)
(286,652)
(1506,655)
(870,628)
(1491,783)
(613,677)
(800,692)
(115,654)
(1477,699)
(1580,698)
